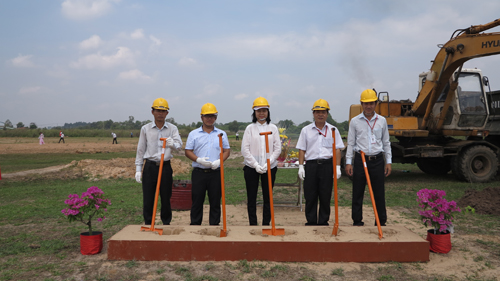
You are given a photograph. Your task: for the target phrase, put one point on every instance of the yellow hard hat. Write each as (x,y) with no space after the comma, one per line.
(208,108)
(160,104)
(321,104)
(260,102)
(368,95)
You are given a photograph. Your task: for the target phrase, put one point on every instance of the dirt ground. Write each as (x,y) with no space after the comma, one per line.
(459,264)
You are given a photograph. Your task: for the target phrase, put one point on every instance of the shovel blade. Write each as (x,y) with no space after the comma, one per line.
(158,230)
(274,232)
(335,230)
(223,233)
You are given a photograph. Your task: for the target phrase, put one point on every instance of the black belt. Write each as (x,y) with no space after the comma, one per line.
(156,163)
(207,170)
(371,157)
(320,161)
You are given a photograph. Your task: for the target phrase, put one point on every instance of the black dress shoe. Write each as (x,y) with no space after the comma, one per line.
(358,223)
(309,223)
(381,224)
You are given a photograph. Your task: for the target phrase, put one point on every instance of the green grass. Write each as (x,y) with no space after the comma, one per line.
(36,239)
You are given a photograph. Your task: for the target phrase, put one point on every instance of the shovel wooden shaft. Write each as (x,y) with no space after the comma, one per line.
(380,235)
(224,229)
(155,206)
(334,148)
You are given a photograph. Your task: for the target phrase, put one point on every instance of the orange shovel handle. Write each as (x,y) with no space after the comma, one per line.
(222,184)
(380,235)
(334,148)
(269,181)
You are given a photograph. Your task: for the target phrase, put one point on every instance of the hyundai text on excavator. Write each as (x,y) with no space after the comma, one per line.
(454,124)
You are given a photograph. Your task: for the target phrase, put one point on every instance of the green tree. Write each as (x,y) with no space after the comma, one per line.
(285,124)
(33,125)
(7,124)
(20,125)
(233,126)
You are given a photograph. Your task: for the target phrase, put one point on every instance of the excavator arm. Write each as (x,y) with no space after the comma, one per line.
(468,44)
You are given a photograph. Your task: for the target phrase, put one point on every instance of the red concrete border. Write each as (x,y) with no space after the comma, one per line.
(283,251)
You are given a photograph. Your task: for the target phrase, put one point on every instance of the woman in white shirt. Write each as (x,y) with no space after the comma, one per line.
(253,149)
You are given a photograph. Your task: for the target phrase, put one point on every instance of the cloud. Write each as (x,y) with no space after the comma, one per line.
(30,90)
(186,62)
(135,75)
(86,9)
(22,61)
(123,56)
(240,96)
(137,34)
(155,40)
(211,89)
(92,43)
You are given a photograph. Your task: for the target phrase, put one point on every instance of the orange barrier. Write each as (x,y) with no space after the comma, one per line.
(380,235)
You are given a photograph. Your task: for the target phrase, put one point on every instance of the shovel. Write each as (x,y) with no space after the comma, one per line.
(336,225)
(223,231)
(274,231)
(152,228)
(380,235)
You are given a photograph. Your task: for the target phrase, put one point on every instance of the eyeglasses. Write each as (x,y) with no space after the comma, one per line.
(210,116)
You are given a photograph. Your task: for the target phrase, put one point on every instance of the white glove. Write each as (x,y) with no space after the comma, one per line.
(339,173)
(216,164)
(170,142)
(203,161)
(302,172)
(138,177)
(260,169)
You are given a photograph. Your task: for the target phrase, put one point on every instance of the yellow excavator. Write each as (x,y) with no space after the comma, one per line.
(454,124)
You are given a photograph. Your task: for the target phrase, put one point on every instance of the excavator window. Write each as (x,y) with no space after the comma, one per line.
(471,100)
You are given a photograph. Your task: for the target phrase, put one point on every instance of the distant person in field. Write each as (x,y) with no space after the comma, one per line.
(114,138)
(40,137)
(131,134)
(203,148)
(149,149)
(61,137)
(237,136)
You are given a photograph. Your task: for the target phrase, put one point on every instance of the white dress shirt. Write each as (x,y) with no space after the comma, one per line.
(317,143)
(369,136)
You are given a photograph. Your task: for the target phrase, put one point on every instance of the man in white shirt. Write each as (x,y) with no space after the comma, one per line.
(114,138)
(368,132)
(315,146)
(149,148)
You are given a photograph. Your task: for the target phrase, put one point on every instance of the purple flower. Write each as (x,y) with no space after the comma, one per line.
(436,210)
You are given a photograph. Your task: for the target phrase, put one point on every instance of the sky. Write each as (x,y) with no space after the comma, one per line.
(72,61)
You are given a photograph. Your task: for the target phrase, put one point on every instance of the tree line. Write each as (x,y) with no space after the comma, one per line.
(131,127)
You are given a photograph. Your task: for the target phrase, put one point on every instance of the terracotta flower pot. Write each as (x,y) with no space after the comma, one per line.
(439,243)
(90,244)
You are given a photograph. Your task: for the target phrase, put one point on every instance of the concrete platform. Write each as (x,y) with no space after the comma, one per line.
(299,244)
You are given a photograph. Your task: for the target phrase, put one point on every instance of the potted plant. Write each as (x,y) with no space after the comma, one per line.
(91,204)
(437,212)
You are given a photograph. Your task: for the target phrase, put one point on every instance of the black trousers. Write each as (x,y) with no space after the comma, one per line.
(205,181)
(115,141)
(252,185)
(318,185)
(376,171)
(149,182)
(61,139)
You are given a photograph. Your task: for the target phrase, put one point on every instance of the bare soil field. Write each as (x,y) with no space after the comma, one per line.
(467,260)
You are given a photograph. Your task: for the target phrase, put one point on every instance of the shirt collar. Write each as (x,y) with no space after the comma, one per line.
(362,116)
(153,125)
